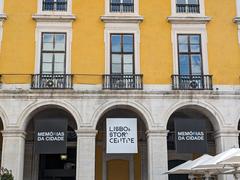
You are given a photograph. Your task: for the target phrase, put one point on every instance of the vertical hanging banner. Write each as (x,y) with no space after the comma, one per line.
(190,135)
(121,135)
(50,136)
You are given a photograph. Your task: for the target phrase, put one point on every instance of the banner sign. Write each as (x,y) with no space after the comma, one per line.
(190,135)
(50,136)
(121,135)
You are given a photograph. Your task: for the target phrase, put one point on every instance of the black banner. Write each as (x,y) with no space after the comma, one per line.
(50,136)
(190,135)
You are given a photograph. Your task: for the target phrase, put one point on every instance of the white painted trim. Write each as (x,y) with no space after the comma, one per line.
(107,9)
(53,27)
(190,29)
(1,6)
(122,28)
(202,10)
(68,12)
(238,8)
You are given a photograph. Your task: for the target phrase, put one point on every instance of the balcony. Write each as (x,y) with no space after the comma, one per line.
(122,7)
(188,8)
(123,82)
(51,5)
(192,82)
(52,81)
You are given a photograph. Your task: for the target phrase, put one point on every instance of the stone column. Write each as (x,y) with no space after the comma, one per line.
(13,152)
(225,140)
(86,140)
(157,154)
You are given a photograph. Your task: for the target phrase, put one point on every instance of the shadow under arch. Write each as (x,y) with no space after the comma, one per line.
(135,107)
(34,108)
(209,111)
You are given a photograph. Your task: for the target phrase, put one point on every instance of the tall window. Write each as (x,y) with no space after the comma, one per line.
(54,5)
(187,6)
(122,54)
(126,6)
(189,54)
(53,53)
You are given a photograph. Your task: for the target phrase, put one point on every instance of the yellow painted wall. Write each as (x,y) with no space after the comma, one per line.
(18,45)
(156,50)
(223,47)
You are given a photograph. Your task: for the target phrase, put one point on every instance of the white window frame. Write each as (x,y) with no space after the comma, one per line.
(68,12)
(190,29)
(53,27)
(107,9)
(202,10)
(111,28)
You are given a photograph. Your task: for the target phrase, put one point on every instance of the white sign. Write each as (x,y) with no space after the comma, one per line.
(121,135)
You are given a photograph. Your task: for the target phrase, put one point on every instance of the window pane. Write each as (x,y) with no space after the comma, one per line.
(59,68)
(128,69)
(128,43)
(127,1)
(47,57)
(47,37)
(181,1)
(128,59)
(59,57)
(116,43)
(196,64)
(195,39)
(116,69)
(182,39)
(183,48)
(184,64)
(116,58)
(48,46)
(192,1)
(60,38)
(195,48)
(59,46)
(47,67)
(115,1)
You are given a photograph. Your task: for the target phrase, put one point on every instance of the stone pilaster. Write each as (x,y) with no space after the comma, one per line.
(157,154)
(13,152)
(86,140)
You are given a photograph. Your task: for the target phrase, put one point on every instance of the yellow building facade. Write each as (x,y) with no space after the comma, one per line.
(86,61)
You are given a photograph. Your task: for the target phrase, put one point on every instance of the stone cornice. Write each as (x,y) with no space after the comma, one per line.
(53,18)
(188,20)
(86,132)
(122,19)
(13,133)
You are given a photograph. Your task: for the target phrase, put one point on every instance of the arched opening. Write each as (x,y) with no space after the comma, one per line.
(176,155)
(121,166)
(44,161)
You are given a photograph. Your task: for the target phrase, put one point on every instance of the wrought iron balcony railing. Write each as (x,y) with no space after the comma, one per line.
(52,81)
(123,81)
(188,8)
(192,82)
(54,5)
(122,7)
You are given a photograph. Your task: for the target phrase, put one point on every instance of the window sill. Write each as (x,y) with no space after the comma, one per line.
(53,17)
(122,19)
(188,20)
